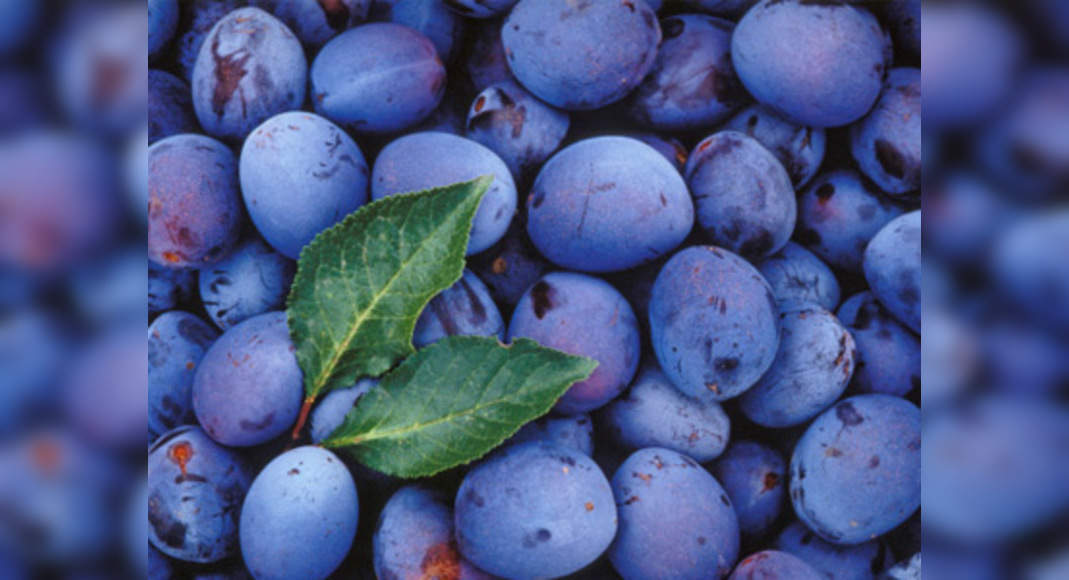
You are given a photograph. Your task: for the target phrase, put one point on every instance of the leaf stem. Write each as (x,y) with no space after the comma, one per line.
(302,418)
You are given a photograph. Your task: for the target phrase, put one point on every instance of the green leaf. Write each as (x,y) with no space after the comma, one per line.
(453,402)
(360,285)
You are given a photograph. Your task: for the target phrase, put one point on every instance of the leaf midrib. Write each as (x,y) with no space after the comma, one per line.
(401,431)
(341,348)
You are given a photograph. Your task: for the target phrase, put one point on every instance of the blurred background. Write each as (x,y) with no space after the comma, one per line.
(73,287)
(75,296)
(995,84)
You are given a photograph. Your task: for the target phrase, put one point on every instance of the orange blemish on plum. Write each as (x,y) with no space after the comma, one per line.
(180,453)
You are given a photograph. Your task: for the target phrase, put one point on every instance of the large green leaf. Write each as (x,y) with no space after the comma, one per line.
(360,285)
(454,401)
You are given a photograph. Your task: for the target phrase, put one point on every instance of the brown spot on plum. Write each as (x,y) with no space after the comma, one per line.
(229,72)
(441,562)
(542,297)
(825,191)
(725,364)
(890,158)
(770,481)
(848,415)
(499,266)
(180,453)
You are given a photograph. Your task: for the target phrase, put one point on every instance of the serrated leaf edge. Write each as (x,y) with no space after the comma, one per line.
(482,185)
(341,443)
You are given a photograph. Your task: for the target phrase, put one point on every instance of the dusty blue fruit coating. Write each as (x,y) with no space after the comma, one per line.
(800,149)
(860,562)
(580,55)
(199,16)
(55,212)
(479,8)
(510,266)
(817,63)
(754,476)
(518,127)
(112,366)
(675,519)
(97,58)
(299,517)
(855,473)
(953,33)
(317,21)
(812,368)
(35,348)
(300,174)
(465,308)
(693,83)
(797,275)
(250,67)
(606,204)
(774,564)
(377,78)
(1022,149)
(743,197)
(714,324)
(483,60)
(993,469)
(251,280)
(421,161)
(170,106)
(432,19)
(167,288)
(414,538)
(329,413)
(893,268)
(669,147)
(194,212)
(185,463)
(574,431)
(888,357)
(536,510)
(837,216)
(654,413)
(176,342)
(248,388)
(59,500)
(907,569)
(1030,272)
(887,142)
(585,316)
(162,24)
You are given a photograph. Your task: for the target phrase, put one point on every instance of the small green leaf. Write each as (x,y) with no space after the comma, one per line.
(453,402)
(360,285)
